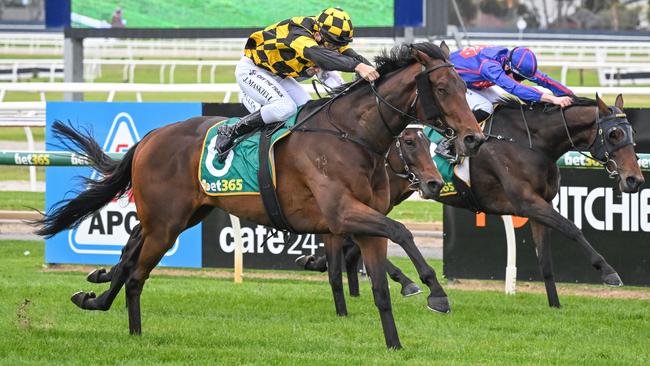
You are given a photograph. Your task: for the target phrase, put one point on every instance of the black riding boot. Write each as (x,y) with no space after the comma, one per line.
(446,147)
(227,134)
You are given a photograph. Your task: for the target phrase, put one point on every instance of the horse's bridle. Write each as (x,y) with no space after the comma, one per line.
(413,179)
(420,89)
(602,149)
(432,111)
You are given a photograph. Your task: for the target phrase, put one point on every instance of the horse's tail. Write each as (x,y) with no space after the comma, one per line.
(116,181)
(82,143)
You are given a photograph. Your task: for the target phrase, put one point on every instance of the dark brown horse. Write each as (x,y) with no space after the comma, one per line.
(516,174)
(331,179)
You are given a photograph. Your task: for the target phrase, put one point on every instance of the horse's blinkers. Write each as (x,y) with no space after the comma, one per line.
(603,148)
(428,101)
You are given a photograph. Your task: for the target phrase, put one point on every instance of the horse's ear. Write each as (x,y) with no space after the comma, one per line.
(604,109)
(419,56)
(619,101)
(445,49)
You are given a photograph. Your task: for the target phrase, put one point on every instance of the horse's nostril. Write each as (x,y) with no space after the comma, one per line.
(435,186)
(470,140)
(631,181)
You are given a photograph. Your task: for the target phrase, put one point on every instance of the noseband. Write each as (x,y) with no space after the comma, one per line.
(602,148)
(406,173)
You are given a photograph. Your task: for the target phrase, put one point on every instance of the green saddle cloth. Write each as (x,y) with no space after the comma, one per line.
(445,168)
(237,175)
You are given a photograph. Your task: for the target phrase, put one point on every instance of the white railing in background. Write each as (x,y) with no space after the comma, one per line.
(598,48)
(93,68)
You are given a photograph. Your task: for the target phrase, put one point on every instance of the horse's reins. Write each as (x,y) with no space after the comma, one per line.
(607,154)
(378,100)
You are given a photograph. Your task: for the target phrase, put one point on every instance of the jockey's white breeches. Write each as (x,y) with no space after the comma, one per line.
(277,98)
(484,99)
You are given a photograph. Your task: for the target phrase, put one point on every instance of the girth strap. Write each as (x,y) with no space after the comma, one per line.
(265,178)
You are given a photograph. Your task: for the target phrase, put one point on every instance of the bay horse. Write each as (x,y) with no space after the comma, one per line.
(515,172)
(330,175)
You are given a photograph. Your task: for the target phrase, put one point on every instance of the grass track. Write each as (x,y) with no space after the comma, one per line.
(287,322)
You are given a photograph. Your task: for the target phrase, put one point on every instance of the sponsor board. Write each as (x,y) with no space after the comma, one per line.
(262,247)
(616,224)
(116,127)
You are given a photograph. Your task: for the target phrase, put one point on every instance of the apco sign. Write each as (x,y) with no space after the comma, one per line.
(616,224)
(118,126)
(262,247)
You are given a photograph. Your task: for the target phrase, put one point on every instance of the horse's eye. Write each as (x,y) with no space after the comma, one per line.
(409,142)
(615,133)
(442,91)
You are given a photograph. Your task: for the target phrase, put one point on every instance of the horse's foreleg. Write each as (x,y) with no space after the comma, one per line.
(374,256)
(333,251)
(409,288)
(545,262)
(357,218)
(352,254)
(118,274)
(541,211)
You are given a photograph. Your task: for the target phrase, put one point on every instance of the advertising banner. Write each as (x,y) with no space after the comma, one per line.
(616,224)
(263,247)
(116,127)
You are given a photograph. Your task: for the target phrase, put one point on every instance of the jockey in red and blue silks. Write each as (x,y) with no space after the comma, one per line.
(484,67)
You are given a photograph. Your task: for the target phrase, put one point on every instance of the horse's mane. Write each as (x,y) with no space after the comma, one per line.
(515,103)
(397,58)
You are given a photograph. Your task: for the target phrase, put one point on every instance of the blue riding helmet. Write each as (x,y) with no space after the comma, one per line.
(523,62)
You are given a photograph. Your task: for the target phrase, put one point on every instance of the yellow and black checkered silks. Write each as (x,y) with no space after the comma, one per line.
(337,23)
(280,51)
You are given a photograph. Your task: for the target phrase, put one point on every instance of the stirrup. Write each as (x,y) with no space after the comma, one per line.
(446,150)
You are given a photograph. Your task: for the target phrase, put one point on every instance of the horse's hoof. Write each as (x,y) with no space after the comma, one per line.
(356,294)
(303,260)
(95,275)
(79,298)
(613,279)
(439,304)
(410,290)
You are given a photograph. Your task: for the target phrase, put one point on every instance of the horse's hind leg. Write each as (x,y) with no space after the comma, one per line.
(156,243)
(545,262)
(100,275)
(333,251)
(119,274)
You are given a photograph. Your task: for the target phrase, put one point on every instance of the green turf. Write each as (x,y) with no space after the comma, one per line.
(8,172)
(417,211)
(228,13)
(22,201)
(18,134)
(189,320)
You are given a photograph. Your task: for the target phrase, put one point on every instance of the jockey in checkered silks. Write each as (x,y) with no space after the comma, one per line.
(296,48)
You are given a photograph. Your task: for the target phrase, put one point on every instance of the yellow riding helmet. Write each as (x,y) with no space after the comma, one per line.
(335,26)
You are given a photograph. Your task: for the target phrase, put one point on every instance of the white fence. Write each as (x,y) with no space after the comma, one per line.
(51,68)
(600,48)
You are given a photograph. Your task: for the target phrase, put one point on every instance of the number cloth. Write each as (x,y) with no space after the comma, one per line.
(237,175)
